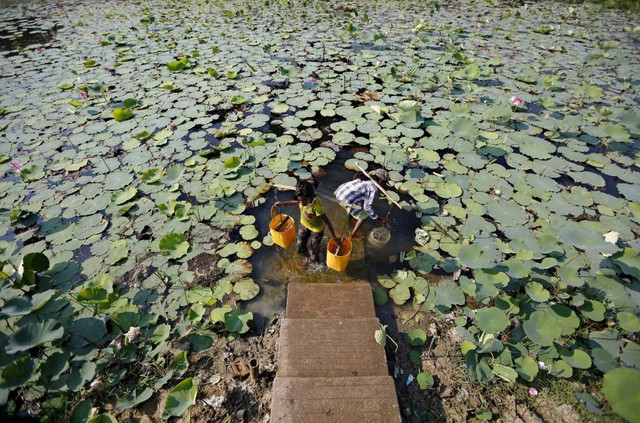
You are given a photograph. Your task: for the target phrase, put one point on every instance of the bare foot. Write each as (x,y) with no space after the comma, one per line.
(305,263)
(358,237)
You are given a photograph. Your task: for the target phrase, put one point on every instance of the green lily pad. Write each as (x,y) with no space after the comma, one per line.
(491,320)
(380,296)
(246,289)
(628,321)
(120,115)
(417,337)
(18,373)
(181,397)
(219,314)
(536,292)
(249,232)
(561,368)
(593,310)
(577,359)
(33,335)
(174,245)
(541,328)
(119,250)
(400,294)
(448,190)
(238,321)
(425,380)
(103,418)
(620,388)
(526,367)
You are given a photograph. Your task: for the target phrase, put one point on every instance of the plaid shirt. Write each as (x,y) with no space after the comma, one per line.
(359,194)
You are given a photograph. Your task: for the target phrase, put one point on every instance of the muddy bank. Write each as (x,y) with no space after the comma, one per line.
(226,392)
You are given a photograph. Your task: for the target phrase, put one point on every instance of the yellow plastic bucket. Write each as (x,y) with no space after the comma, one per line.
(338,256)
(283,229)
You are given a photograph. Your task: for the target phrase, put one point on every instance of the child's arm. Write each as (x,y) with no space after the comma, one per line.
(329,225)
(285,203)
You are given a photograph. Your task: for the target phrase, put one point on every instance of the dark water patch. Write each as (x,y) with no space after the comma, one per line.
(26,32)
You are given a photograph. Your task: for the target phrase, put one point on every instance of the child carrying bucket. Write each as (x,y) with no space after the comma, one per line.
(312,219)
(357,197)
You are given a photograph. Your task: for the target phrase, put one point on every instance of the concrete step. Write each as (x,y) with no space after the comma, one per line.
(330,348)
(339,400)
(329,300)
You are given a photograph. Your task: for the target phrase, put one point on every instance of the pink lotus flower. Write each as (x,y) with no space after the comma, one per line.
(313,80)
(82,95)
(517,101)
(16,167)
(379,63)
(106,69)
(405,72)
(547,115)
(533,391)
(38,49)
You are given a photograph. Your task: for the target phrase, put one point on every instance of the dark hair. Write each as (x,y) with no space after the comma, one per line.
(304,189)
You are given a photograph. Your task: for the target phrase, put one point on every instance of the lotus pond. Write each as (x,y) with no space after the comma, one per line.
(141,143)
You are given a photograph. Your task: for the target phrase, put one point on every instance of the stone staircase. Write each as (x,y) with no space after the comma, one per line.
(330,368)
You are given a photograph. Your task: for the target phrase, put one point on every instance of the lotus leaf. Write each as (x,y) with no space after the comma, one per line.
(120,115)
(505,373)
(380,335)
(593,310)
(219,314)
(18,373)
(448,293)
(246,289)
(173,174)
(400,294)
(507,213)
(491,320)
(448,190)
(249,232)
(425,380)
(34,334)
(417,337)
(160,333)
(174,245)
(561,368)
(616,390)
(476,257)
(628,321)
(380,296)
(119,250)
(237,320)
(180,363)
(566,319)
(134,398)
(103,418)
(32,264)
(541,328)
(464,127)
(570,276)
(537,292)
(181,397)
(195,312)
(526,367)
(584,238)
(576,358)
(629,261)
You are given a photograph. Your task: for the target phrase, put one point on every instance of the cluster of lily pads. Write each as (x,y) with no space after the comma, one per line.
(138,141)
